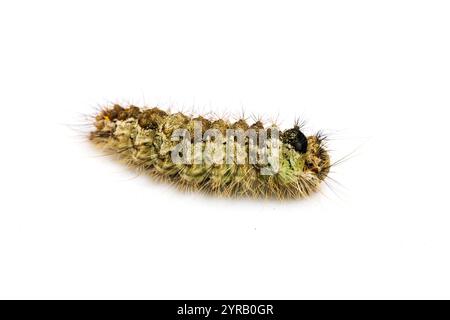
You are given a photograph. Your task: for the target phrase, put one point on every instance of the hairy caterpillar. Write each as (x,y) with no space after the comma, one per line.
(188,152)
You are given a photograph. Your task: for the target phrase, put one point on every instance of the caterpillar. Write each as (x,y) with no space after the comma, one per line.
(215,156)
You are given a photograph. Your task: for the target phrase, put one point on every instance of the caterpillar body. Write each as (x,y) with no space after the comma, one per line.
(290,166)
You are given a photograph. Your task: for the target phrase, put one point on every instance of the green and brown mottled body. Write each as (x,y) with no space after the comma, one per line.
(142,138)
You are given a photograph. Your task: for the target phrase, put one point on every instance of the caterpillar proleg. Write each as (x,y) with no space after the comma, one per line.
(216,156)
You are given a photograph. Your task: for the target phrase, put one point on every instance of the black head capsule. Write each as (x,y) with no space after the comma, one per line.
(296,139)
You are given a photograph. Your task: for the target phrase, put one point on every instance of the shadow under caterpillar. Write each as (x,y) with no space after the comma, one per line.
(286,165)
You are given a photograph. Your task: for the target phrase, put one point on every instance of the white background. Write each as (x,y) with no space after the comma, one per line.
(375,75)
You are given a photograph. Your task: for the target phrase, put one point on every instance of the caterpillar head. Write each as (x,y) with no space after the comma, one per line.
(315,157)
(296,139)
